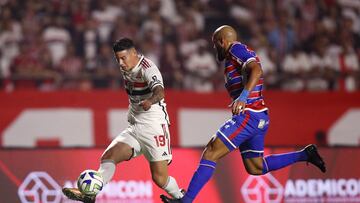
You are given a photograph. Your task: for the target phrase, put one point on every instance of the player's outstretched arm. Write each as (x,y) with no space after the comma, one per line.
(158,95)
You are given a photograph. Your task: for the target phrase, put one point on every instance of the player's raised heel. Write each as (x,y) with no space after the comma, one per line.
(167,199)
(75,194)
(314,157)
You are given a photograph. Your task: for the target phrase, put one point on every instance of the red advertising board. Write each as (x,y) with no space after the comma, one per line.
(31,119)
(37,176)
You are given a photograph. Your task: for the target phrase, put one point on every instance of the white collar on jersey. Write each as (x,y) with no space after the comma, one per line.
(137,66)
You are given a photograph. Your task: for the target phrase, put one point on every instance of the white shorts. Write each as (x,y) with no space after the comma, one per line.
(152,140)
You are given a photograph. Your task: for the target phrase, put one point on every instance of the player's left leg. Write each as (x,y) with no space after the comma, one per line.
(213,152)
(253,148)
(160,176)
(262,165)
(122,148)
(233,132)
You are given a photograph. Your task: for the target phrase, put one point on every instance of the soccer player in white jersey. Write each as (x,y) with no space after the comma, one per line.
(147,132)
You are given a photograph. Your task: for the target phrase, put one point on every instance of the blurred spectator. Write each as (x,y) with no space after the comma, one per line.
(322,68)
(296,66)
(348,66)
(57,38)
(324,33)
(91,43)
(10,36)
(106,74)
(200,67)
(282,37)
(308,12)
(71,67)
(29,71)
(171,67)
(124,27)
(105,15)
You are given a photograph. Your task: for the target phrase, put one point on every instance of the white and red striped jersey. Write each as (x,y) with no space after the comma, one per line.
(139,83)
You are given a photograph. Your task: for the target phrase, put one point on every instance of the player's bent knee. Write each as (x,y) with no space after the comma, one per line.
(254,171)
(215,150)
(254,166)
(210,154)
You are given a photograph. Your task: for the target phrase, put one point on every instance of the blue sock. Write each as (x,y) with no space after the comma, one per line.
(201,176)
(277,161)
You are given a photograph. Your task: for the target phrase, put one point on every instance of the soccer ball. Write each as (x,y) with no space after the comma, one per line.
(90,182)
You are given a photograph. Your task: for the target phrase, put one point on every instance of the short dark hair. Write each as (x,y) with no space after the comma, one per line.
(123,44)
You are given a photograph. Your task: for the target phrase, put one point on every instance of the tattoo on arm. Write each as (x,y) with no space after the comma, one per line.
(158,94)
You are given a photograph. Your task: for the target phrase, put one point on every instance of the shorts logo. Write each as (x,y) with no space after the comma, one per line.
(264,189)
(261,124)
(164,154)
(38,187)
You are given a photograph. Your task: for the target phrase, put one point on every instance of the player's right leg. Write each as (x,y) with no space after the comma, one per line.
(122,148)
(155,141)
(214,151)
(227,139)
(160,176)
(308,154)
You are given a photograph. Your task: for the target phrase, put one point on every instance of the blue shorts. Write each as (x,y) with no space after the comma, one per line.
(245,131)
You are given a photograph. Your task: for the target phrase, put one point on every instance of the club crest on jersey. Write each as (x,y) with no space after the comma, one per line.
(130,86)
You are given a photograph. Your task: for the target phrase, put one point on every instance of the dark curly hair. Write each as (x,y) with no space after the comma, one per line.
(123,44)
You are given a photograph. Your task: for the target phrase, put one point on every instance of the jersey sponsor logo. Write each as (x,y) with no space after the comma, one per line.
(38,186)
(268,189)
(123,191)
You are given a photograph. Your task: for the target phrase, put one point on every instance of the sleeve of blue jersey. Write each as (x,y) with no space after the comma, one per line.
(242,54)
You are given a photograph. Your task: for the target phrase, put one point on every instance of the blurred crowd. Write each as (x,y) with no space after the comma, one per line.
(304,45)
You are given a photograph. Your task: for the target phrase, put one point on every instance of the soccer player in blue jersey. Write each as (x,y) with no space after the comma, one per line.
(247,128)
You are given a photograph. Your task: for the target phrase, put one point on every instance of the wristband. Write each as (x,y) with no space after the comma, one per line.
(244,95)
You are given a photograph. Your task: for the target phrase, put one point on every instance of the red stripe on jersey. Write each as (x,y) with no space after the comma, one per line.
(235,62)
(258,105)
(166,137)
(254,94)
(229,68)
(235,74)
(145,63)
(137,84)
(260,82)
(242,126)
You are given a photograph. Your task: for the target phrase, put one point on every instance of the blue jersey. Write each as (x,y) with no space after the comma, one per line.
(236,77)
